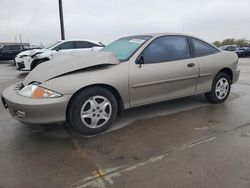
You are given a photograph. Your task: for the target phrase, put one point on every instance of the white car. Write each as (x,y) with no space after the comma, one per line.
(23,59)
(26,56)
(29,60)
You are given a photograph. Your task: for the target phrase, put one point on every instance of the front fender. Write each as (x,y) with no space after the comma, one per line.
(114,76)
(36,62)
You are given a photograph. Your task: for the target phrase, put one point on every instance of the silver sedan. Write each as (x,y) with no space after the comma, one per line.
(89,90)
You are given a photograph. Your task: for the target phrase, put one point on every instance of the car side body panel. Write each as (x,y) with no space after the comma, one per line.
(115,76)
(162,81)
(210,65)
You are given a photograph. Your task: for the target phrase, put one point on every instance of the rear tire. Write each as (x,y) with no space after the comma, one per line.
(92,110)
(220,89)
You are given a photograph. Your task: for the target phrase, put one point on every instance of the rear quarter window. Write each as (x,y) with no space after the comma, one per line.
(202,48)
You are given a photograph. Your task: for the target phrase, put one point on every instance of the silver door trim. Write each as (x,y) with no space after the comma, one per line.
(205,74)
(164,81)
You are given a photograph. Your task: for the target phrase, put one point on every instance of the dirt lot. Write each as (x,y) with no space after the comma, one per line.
(179,143)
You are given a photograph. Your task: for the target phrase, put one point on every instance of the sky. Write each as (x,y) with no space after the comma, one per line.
(106,20)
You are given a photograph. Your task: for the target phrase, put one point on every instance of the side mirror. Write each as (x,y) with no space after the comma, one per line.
(140,60)
(58,49)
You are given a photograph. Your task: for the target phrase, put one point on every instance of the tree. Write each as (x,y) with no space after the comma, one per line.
(230,41)
(242,42)
(217,43)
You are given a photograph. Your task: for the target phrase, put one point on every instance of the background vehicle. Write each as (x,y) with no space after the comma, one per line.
(57,49)
(90,89)
(245,51)
(26,57)
(241,52)
(9,51)
(231,48)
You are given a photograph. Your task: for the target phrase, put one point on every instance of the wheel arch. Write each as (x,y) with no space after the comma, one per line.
(35,61)
(113,90)
(227,71)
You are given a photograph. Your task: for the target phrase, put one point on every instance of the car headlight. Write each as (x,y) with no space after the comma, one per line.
(36,92)
(22,56)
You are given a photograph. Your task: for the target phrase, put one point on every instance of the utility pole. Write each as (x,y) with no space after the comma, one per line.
(20,38)
(61,19)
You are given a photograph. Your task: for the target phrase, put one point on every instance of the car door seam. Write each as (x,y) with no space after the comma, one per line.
(164,81)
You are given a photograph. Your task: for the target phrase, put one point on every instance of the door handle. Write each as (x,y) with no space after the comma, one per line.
(190,65)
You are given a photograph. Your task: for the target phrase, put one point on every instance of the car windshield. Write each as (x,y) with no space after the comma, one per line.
(124,48)
(52,45)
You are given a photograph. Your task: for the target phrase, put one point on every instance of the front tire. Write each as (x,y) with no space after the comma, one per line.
(220,89)
(92,110)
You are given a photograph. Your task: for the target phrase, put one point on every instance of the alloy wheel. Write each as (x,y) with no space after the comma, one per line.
(222,88)
(96,112)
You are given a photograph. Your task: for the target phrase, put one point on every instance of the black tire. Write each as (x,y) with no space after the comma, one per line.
(75,109)
(212,96)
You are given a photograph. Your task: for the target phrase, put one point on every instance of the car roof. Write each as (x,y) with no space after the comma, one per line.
(162,34)
(167,33)
(156,35)
(14,45)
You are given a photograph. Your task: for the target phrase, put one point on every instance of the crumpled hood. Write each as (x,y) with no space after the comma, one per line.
(30,52)
(69,63)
